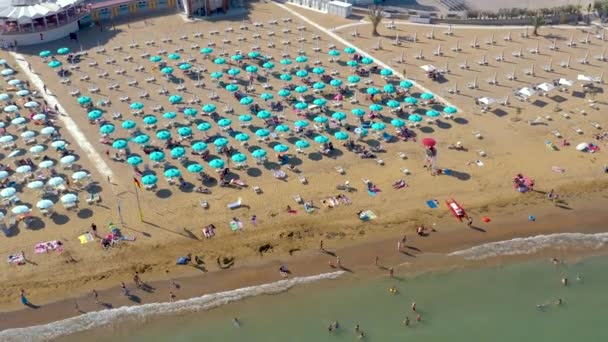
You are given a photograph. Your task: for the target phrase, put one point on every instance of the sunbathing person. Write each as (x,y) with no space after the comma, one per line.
(399,184)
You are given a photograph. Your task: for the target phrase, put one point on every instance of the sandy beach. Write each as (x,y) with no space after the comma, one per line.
(513,140)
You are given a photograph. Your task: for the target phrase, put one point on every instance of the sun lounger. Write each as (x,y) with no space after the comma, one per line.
(596,125)
(340,170)
(477,135)
(556,133)
(204,204)
(298,199)
(235,205)
(303,179)
(577,130)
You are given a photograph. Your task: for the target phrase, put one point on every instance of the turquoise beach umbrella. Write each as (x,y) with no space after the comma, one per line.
(203,126)
(199,146)
(301,73)
(150,120)
(432,113)
(320,102)
(149,179)
(375,107)
(220,142)
(301,89)
(318,71)
(259,153)
(353,79)
(264,114)
(301,105)
(286,61)
(141,139)
(206,50)
(245,118)
(251,69)
(119,144)
(224,122)
(174,56)
(281,148)
(247,100)
(190,112)
(167,70)
(341,135)
(169,115)
(321,139)
(45,53)
(335,82)
(172,173)
(266,96)
(241,137)
(386,72)
(352,64)
(389,89)
(415,118)
(184,131)
(268,65)
(219,61)
(367,60)
(406,84)
(237,57)
(301,123)
(63,51)
(378,126)
(302,144)
(349,50)
(398,123)
(234,71)
(282,128)
(334,53)
(83,100)
(284,93)
(134,160)
(372,90)
(262,132)
(216,163)
(450,110)
(155,59)
(285,77)
(136,106)
(239,158)
(320,119)
(157,156)
(106,129)
(427,96)
(216,75)
(254,54)
(232,88)
(301,59)
(339,116)
(185,66)
(195,168)
(411,100)
(393,104)
(128,124)
(178,152)
(318,85)
(163,134)
(54,64)
(209,108)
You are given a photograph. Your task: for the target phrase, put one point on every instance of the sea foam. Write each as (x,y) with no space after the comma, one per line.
(533,244)
(97,319)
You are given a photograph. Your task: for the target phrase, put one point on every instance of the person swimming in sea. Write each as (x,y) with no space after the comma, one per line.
(406,321)
(236,322)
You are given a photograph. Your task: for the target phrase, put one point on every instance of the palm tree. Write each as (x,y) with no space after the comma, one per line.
(375,17)
(537,21)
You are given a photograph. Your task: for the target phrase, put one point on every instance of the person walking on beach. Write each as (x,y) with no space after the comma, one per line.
(125,290)
(377,260)
(406,321)
(136,280)
(24,299)
(96,296)
(338,264)
(391,272)
(321,246)
(171,297)
(399,246)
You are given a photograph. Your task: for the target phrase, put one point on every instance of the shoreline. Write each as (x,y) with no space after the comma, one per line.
(358,261)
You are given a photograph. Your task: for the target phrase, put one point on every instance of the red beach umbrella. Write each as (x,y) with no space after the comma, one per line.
(428,142)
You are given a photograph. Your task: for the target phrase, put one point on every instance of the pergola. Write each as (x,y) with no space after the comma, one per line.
(38,15)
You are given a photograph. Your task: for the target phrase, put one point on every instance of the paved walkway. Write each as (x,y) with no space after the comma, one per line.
(333,35)
(472,27)
(79,138)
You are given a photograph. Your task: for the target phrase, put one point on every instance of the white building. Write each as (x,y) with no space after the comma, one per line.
(340,7)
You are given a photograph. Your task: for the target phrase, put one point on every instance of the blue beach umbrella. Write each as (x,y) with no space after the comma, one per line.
(206,50)
(372,90)
(216,163)
(353,79)
(54,64)
(318,71)
(199,146)
(302,144)
(378,126)
(217,75)
(150,120)
(174,99)
(318,85)
(107,129)
(251,69)
(450,110)
(141,139)
(266,96)
(195,168)
(134,160)
(349,50)
(301,105)
(375,107)
(237,57)
(234,71)
(320,119)
(427,96)
(83,100)
(352,64)
(219,61)
(169,115)
(209,108)
(232,88)
(136,106)
(45,53)
(63,51)
(386,72)
(167,70)
(247,100)
(432,113)
(253,54)
(203,126)
(302,73)
(259,153)
(411,100)
(334,53)
(157,156)
(301,59)
(155,59)
(286,61)
(335,82)
(172,173)
(301,89)
(339,116)
(128,124)
(185,66)
(241,137)
(389,89)
(174,56)
(264,114)
(178,152)
(184,131)
(268,65)
(120,144)
(406,84)
(367,60)
(284,93)
(285,77)
(398,123)
(281,148)
(163,134)
(341,135)
(225,122)
(358,112)
(301,123)
(239,158)
(262,132)
(321,139)
(149,179)
(282,128)
(320,102)
(415,118)
(220,142)
(245,118)
(393,104)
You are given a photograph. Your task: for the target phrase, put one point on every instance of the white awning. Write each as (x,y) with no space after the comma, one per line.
(565,82)
(526,92)
(487,101)
(24,11)
(428,68)
(546,87)
(584,78)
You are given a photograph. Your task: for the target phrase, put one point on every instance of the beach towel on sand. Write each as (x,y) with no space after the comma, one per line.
(85,238)
(236,225)
(17,259)
(49,246)
(431,204)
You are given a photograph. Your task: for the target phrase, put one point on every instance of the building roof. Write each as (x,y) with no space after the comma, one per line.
(24,11)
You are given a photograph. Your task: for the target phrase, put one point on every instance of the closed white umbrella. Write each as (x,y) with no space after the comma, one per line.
(31,104)
(428,68)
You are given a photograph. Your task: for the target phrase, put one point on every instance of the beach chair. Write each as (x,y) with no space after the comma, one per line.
(339,169)
(405,171)
(477,135)
(596,125)
(302,179)
(577,130)
(257,189)
(380,161)
(235,204)
(298,199)
(556,133)
(94,198)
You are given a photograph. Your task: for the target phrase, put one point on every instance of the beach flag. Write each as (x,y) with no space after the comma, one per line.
(137,183)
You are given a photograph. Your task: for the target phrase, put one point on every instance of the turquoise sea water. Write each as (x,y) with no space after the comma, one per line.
(490,304)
